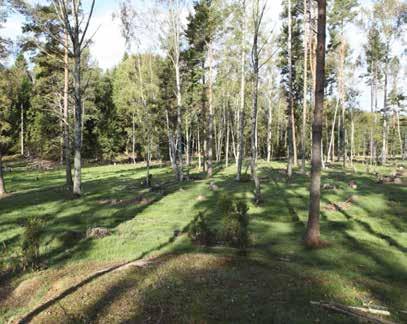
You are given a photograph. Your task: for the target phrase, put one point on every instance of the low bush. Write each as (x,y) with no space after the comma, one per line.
(200,231)
(30,242)
(235,222)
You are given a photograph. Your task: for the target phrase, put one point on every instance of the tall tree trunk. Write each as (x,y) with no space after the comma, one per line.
(180,171)
(199,149)
(242,95)
(210,116)
(269,130)
(342,139)
(2,185)
(290,110)
(332,140)
(227,120)
(188,143)
(61,139)
(133,136)
(385,129)
(305,86)
(22,130)
(78,123)
(257,196)
(399,134)
(312,236)
(67,143)
(352,139)
(171,145)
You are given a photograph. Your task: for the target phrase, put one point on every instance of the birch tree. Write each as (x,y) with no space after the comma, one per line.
(76,23)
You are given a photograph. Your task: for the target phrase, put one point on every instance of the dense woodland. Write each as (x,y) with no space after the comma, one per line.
(208,84)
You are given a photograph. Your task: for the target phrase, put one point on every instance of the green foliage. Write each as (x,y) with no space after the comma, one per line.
(6,129)
(235,230)
(200,231)
(30,242)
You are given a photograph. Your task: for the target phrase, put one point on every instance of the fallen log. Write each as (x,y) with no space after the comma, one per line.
(361,313)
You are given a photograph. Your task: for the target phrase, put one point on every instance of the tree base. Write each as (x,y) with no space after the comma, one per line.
(315,243)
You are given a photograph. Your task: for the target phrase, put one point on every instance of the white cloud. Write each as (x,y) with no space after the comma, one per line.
(108,45)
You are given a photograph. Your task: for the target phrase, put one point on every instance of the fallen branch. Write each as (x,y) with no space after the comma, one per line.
(359,312)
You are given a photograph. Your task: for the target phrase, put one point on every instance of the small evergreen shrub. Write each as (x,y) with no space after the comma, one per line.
(200,232)
(30,242)
(235,222)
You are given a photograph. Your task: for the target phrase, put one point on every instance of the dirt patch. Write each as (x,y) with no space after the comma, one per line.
(23,293)
(139,200)
(341,205)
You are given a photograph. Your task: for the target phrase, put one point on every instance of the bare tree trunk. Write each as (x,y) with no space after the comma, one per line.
(210,117)
(199,150)
(22,130)
(171,145)
(352,140)
(332,140)
(67,144)
(227,120)
(2,184)
(61,139)
(255,59)
(133,136)
(305,86)
(290,110)
(188,144)
(78,123)
(312,236)
(269,130)
(385,130)
(399,134)
(341,138)
(242,95)
(180,171)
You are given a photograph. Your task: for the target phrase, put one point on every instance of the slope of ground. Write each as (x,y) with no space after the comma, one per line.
(364,263)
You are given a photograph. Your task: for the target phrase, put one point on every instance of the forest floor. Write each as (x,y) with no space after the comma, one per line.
(364,263)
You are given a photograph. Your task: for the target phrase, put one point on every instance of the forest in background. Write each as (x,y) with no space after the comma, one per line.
(218,85)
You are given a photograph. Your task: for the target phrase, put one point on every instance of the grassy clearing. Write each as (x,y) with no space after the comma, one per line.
(366,261)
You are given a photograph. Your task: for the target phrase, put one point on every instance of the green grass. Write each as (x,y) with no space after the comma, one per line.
(365,261)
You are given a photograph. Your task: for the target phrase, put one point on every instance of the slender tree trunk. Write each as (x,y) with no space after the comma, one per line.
(22,130)
(257,197)
(399,134)
(133,136)
(61,139)
(210,117)
(342,140)
(312,236)
(78,123)
(332,140)
(290,110)
(2,184)
(171,145)
(199,150)
(148,161)
(179,125)
(67,143)
(242,95)
(385,107)
(188,144)
(352,140)
(305,86)
(227,120)
(269,130)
